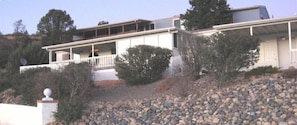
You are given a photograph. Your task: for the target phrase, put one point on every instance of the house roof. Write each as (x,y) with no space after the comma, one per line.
(112,24)
(247,8)
(276,27)
(255,23)
(108,39)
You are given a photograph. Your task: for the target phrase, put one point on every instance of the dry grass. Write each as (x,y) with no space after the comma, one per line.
(109,84)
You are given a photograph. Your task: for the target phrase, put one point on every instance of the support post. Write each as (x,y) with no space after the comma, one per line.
(251,31)
(93,54)
(71,54)
(50,58)
(290,42)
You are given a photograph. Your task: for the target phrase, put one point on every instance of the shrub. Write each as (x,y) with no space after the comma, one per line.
(142,64)
(24,85)
(291,72)
(70,86)
(193,51)
(262,70)
(74,89)
(222,54)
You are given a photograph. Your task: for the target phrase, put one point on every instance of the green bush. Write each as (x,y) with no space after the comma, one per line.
(24,84)
(142,64)
(71,86)
(227,53)
(290,73)
(262,71)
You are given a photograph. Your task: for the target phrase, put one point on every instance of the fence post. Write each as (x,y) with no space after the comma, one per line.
(47,107)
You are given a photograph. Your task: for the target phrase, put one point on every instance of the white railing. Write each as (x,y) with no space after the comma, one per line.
(97,62)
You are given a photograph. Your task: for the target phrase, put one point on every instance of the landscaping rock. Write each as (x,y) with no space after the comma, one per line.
(265,102)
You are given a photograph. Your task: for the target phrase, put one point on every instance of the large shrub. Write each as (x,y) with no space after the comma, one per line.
(228,53)
(142,64)
(192,51)
(71,86)
(222,54)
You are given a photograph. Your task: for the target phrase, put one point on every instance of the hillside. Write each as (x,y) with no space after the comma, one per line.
(267,101)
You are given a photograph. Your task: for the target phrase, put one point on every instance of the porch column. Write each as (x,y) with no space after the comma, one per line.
(50,58)
(71,55)
(290,41)
(93,51)
(251,31)
(92,58)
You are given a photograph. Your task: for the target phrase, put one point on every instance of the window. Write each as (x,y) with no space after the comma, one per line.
(113,51)
(176,23)
(175,40)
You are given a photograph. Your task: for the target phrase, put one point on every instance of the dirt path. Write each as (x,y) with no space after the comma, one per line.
(124,92)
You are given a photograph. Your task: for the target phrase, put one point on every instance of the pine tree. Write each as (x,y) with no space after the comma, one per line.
(206,13)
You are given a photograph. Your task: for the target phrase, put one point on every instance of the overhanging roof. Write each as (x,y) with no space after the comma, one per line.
(256,23)
(112,25)
(101,40)
(277,26)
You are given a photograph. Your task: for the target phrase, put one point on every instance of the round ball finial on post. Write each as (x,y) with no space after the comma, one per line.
(47,93)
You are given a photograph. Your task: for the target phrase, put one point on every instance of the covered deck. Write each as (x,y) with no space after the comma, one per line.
(278,38)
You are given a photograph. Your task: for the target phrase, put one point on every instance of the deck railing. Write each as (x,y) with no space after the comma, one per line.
(100,62)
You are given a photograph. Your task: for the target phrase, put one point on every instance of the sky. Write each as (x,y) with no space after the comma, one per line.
(87,13)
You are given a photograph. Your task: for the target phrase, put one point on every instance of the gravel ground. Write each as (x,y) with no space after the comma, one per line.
(261,102)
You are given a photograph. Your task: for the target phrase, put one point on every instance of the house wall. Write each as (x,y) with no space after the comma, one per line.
(164,40)
(250,15)
(263,13)
(284,53)
(268,53)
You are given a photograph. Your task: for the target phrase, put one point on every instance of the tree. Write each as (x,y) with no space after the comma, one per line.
(206,13)
(56,27)
(19,27)
(142,64)
(102,22)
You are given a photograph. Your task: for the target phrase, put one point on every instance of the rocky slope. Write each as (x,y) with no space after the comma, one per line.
(263,102)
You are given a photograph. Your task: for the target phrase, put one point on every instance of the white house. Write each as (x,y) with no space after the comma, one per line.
(99,45)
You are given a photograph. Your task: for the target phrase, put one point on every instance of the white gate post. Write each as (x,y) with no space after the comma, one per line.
(47,107)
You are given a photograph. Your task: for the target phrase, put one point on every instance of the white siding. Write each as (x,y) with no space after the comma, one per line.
(151,40)
(268,53)
(284,53)
(164,40)
(123,45)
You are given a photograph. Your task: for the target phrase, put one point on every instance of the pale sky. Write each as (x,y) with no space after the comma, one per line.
(87,13)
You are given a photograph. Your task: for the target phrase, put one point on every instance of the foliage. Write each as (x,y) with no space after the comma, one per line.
(206,13)
(228,53)
(69,112)
(19,27)
(262,70)
(291,73)
(142,64)
(56,27)
(24,85)
(193,51)
(71,87)
(102,22)
(4,82)
(74,91)
(222,54)
(6,48)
